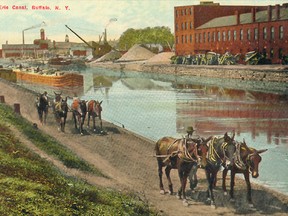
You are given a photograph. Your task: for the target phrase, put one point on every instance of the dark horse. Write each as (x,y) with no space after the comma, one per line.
(246,160)
(94,110)
(42,105)
(79,110)
(61,110)
(180,154)
(220,153)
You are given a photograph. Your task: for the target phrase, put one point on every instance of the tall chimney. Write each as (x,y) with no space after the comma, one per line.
(277,8)
(253,13)
(269,12)
(42,34)
(237,17)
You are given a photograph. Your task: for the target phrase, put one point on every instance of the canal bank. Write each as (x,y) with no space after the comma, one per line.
(125,156)
(265,73)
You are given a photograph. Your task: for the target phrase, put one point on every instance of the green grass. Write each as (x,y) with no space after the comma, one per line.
(45,142)
(29,185)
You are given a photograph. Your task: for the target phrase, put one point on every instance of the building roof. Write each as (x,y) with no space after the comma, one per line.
(245,18)
(19,46)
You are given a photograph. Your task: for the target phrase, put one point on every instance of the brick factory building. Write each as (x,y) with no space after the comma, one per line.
(235,29)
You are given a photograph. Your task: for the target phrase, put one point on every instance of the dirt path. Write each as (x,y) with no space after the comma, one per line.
(128,160)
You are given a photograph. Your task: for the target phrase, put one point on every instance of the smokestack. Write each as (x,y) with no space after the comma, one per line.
(237,17)
(253,13)
(277,8)
(42,34)
(269,12)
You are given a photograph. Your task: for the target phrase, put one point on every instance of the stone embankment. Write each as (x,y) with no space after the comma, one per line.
(269,73)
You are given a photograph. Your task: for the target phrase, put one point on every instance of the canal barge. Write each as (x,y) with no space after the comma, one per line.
(49,77)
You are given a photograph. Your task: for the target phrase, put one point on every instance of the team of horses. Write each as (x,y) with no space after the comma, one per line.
(79,108)
(187,155)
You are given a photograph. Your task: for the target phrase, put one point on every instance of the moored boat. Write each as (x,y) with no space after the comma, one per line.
(50,77)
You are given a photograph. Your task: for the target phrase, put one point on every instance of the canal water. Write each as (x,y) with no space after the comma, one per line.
(156,105)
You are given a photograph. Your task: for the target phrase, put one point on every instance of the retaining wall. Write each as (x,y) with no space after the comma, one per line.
(271,73)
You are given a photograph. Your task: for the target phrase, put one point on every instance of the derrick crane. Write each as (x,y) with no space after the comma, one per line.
(98,49)
(32,27)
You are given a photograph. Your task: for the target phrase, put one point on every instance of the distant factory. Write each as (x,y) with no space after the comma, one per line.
(44,47)
(210,27)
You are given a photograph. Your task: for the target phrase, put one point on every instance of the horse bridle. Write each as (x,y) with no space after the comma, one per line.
(248,160)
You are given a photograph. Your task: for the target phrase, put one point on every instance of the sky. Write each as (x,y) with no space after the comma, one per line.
(89,18)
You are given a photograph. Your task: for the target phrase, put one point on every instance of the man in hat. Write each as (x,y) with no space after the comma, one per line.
(189,131)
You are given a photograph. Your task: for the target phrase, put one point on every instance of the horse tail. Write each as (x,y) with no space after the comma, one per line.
(157,149)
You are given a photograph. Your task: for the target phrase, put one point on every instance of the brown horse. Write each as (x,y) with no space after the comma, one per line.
(246,161)
(79,110)
(61,110)
(180,154)
(94,110)
(42,105)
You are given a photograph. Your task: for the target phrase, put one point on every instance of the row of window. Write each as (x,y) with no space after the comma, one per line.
(231,35)
(183,12)
(184,26)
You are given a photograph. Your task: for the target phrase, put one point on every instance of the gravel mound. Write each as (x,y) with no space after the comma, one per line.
(111,56)
(136,53)
(161,58)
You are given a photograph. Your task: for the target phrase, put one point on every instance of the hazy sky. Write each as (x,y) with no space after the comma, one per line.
(90,17)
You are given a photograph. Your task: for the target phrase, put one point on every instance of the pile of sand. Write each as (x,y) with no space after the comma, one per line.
(111,56)
(136,53)
(161,58)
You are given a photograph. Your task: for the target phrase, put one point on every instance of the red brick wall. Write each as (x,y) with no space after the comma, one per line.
(239,46)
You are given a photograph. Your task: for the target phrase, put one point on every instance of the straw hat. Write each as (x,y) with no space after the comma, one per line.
(190,129)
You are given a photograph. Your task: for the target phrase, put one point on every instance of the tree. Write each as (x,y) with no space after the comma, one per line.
(156,35)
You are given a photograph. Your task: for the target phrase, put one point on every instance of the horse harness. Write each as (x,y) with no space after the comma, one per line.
(182,151)
(240,164)
(213,154)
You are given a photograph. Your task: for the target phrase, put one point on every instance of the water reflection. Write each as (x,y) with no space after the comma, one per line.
(156,106)
(215,108)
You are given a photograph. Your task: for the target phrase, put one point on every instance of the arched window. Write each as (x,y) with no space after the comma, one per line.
(219,36)
(272,33)
(235,35)
(229,35)
(241,34)
(255,33)
(248,34)
(265,33)
(281,32)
